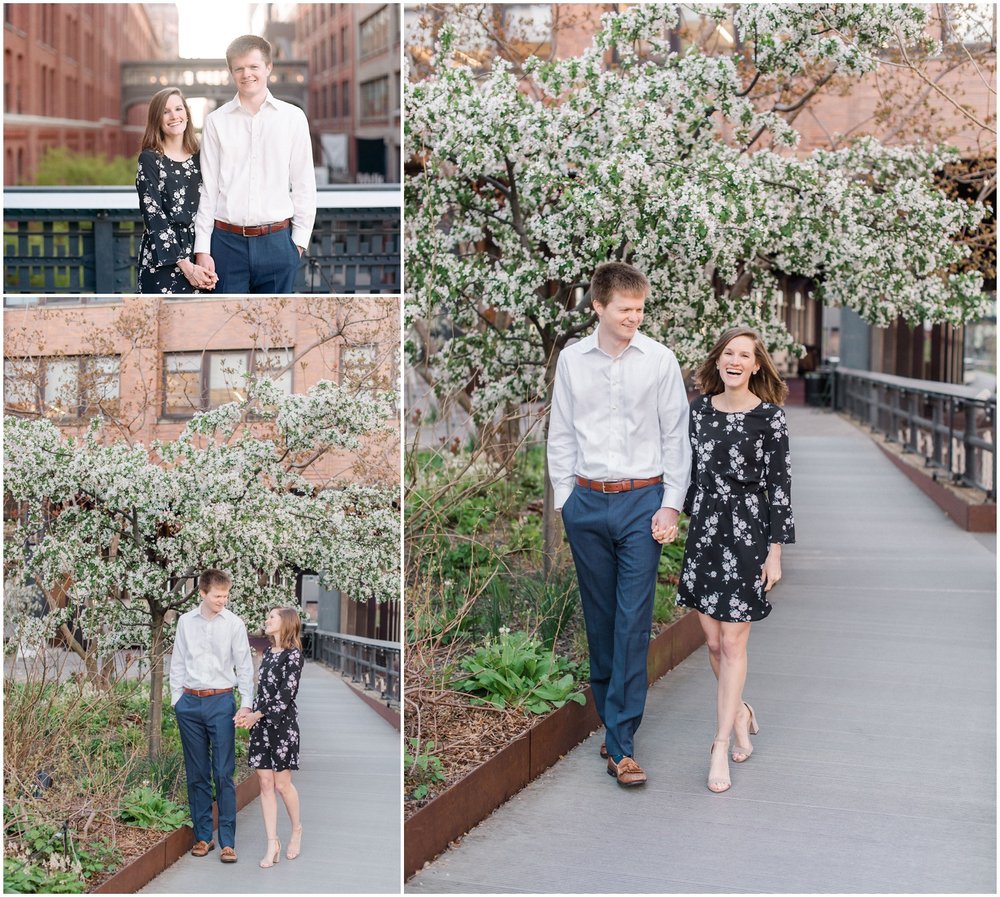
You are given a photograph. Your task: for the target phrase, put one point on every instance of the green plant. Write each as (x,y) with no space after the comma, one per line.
(552,603)
(665,602)
(516,670)
(42,857)
(147,808)
(421,767)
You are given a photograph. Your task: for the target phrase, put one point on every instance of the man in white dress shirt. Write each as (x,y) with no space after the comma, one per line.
(619,461)
(211,655)
(258,188)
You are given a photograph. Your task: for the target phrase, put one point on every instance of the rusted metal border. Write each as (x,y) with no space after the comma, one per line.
(171,848)
(980,517)
(387,713)
(471,799)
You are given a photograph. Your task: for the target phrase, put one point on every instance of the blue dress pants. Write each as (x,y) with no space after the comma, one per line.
(616,561)
(208,736)
(264,264)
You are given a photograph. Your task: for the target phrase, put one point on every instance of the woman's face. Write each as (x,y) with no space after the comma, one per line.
(272,623)
(737,362)
(174,119)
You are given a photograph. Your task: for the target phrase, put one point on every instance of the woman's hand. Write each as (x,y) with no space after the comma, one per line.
(771,572)
(247,718)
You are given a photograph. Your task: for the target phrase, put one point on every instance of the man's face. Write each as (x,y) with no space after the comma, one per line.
(216,598)
(621,317)
(250,73)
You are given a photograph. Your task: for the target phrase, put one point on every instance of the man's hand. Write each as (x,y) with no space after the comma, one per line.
(241,718)
(205,260)
(664,525)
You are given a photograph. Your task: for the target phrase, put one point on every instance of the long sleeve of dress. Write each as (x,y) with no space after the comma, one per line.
(778,481)
(150,182)
(275,700)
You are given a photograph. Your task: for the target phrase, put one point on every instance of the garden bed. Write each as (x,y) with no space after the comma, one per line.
(530,747)
(164,850)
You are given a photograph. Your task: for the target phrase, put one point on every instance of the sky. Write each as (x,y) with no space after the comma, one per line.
(207,26)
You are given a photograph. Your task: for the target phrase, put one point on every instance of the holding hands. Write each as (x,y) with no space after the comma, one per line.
(199,276)
(664,525)
(247,718)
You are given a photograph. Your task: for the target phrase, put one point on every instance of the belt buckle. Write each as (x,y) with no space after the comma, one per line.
(243,230)
(604,488)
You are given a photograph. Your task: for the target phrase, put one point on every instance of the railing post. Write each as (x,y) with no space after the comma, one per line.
(104,253)
(968,443)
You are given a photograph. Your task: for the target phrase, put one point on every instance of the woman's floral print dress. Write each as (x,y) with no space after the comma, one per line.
(274,739)
(168,200)
(739,503)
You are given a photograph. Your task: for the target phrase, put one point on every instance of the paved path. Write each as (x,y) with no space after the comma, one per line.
(349,785)
(875,685)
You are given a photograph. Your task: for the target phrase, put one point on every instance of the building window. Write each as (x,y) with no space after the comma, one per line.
(64,388)
(343,44)
(198,381)
(333,50)
(345,98)
(375,98)
(373,33)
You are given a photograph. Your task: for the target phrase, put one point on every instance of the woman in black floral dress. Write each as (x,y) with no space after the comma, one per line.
(168,182)
(741,514)
(274,729)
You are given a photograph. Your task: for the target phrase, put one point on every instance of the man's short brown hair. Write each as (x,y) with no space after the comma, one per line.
(617,277)
(247,43)
(211,578)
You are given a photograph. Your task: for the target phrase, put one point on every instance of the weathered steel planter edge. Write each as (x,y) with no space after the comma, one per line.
(474,797)
(169,849)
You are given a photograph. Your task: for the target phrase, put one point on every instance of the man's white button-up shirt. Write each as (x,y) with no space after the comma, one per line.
(619,418)
(256,169)
(211,654)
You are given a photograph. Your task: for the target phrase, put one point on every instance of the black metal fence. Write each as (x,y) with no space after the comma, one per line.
(85,240)
(954,428)
(372,663)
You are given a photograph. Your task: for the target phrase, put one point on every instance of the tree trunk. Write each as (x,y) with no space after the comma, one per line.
(155,681)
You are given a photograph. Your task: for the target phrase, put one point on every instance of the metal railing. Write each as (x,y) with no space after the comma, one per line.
(372,663)
(85,240)
(954,428)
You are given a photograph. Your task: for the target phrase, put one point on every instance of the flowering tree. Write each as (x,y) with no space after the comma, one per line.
(124,530)
(633,151)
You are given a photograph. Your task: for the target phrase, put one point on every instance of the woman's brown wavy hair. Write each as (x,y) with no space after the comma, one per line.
(288,636)
(153,136)
(766,384)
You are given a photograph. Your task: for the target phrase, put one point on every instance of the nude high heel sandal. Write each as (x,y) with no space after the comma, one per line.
(717,786)
(274,857)
(739,754)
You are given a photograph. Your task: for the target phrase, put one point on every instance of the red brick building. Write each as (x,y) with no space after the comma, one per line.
(62,83)
(354,88)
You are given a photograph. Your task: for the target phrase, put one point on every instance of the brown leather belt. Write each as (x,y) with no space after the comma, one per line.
(207,692)
(617,485)
(255,230)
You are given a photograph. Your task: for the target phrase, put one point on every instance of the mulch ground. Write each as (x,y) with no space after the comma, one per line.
(131,841)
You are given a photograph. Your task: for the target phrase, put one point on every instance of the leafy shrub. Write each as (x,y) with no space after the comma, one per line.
(421,767)
(516,670)
(147,808)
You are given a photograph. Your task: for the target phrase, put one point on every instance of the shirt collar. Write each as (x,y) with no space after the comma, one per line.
(234,103)
(639,341)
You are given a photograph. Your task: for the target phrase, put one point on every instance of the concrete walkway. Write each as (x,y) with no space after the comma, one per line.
(349,786)
(874,681)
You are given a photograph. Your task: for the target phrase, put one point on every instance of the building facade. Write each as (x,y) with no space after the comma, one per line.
(354,89)
(62,79)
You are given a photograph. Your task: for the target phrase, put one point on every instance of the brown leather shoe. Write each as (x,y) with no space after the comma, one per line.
(201,848)
(228,855)
(604,751)
(627,772)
